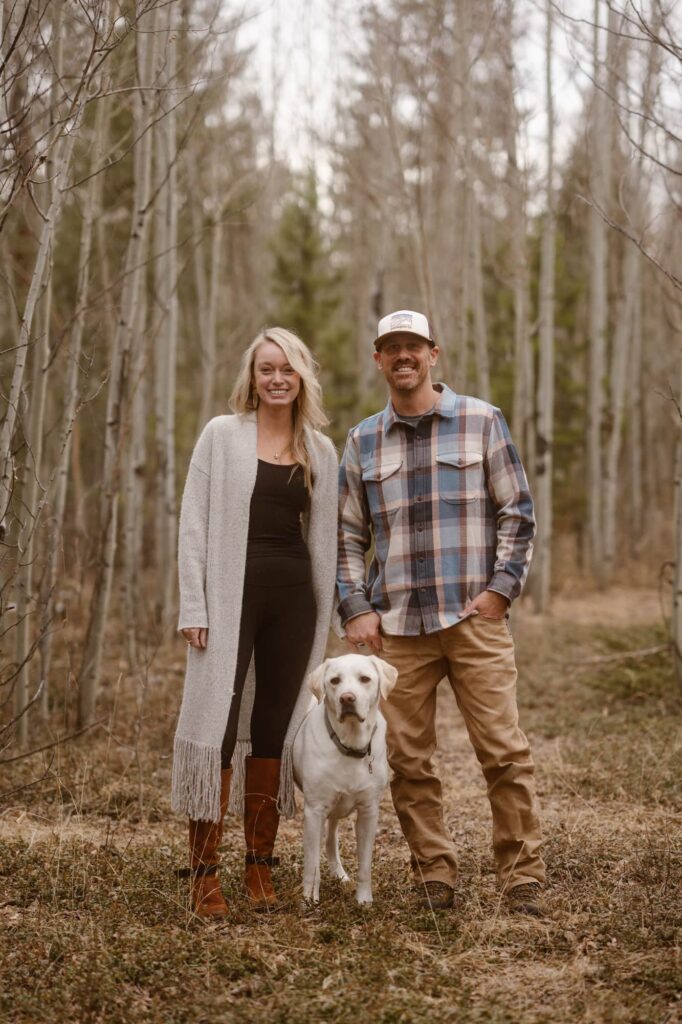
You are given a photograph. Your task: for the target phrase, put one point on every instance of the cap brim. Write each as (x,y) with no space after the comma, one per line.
(403,330)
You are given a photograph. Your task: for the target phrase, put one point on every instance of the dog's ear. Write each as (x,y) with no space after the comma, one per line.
(315,680)
(387,676)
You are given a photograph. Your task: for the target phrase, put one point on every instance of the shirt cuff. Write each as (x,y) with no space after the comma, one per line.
(351,607)
(505,584)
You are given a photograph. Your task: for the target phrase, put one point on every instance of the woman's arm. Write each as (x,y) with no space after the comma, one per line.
(193,539)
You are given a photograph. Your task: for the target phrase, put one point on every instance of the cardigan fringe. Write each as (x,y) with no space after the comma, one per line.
(286,802)
(242,750)
(196,780)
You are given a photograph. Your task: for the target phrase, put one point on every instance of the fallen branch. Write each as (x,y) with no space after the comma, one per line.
(603,659)
(55,743)
(27,785)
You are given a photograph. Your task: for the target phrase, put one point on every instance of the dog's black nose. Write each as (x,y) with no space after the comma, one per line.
(347,698)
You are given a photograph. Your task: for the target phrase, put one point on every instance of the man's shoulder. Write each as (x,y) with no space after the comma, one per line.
(470,405)
(370,425)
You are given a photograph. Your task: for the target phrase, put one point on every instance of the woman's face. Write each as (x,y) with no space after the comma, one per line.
(275,380)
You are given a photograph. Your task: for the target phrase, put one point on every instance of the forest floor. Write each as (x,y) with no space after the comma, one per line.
(95,927)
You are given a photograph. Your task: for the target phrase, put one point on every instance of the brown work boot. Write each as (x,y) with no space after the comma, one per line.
(434,895)
(204,840)
(525,899)
(261,820)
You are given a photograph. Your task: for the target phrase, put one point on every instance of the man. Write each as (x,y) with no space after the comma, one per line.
(436,483)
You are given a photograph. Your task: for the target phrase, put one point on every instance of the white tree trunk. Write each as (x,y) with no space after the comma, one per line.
(545,397)
(165,244)
(63,156)
(59,484)
(618,379)
(32,501)
(118,390)
(31,507)
(134,483)
(677,582)
(635,436)
(209,339)
(480,330)
(523,419)
(598,313)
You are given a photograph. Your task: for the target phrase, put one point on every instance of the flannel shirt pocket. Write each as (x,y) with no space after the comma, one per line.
(383,485)
(460,476)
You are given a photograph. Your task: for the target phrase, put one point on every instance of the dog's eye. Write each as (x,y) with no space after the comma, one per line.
(335,680)
(365,679)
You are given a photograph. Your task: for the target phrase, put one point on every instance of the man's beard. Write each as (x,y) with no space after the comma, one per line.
(408,383)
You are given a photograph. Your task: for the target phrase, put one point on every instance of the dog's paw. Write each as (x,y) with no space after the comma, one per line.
(340,875)
(364,899)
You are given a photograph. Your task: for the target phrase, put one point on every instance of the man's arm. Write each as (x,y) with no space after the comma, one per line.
(355,611)
(508,488)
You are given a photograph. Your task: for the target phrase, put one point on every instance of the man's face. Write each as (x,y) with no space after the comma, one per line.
(405,361)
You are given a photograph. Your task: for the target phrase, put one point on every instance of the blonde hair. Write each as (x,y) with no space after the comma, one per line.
(307,408)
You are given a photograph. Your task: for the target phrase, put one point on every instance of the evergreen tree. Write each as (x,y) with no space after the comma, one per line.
(306,294)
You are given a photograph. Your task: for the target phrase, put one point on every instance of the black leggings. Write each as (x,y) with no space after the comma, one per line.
(277,627)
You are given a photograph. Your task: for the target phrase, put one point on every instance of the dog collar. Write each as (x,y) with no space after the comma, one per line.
(348,751)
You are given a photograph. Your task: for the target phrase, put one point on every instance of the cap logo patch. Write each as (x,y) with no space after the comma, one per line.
(399,320)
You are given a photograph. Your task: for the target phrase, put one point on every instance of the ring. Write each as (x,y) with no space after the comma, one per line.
(361,643)
(189,643)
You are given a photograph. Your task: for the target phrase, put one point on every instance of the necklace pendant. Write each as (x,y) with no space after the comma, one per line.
(276,456)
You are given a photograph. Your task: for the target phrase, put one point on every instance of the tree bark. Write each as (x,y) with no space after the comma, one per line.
(166,273)
(480,330)
(118,389)
(545,397)
(677,581)
(598,313)
(208,346)
(523,419)
(62,162)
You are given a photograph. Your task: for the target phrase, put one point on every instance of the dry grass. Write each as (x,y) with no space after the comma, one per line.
(94,926)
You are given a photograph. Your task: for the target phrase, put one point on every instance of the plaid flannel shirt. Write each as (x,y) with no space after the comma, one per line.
(447,505)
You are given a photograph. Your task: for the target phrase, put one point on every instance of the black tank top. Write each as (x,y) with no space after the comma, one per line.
(276,553)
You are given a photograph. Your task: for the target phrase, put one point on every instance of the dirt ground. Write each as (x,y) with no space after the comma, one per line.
(87,860)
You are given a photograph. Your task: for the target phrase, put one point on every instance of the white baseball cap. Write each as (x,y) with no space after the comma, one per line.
(404,321)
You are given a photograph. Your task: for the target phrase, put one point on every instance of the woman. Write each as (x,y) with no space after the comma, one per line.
(257,559)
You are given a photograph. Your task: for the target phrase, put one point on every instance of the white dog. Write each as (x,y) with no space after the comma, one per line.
(340,764)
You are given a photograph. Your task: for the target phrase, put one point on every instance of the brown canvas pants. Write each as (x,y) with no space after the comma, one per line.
(477,656)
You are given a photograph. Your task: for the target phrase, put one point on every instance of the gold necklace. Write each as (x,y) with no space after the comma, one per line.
(278,455)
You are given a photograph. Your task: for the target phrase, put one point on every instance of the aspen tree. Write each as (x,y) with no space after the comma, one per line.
(545,396)
(480,330)
(673,322)
(166,329)
(25,553)
(211,296)
(72,394)
(118,387)
(626,348)
(522,420)
(34,437)
(598,310)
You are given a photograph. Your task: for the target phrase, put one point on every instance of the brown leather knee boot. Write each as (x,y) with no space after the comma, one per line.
(204,840)
(261,820)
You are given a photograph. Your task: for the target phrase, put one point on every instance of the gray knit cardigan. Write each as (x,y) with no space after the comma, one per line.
(214,523)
